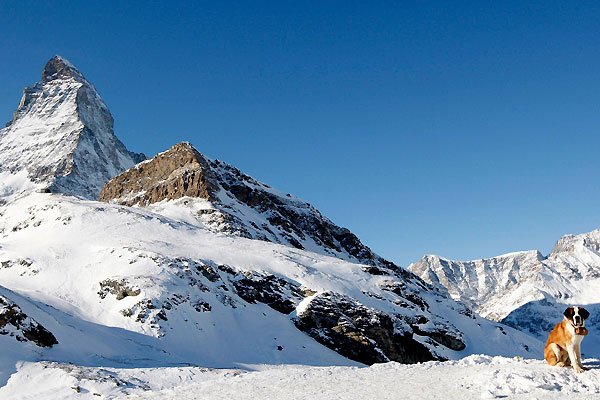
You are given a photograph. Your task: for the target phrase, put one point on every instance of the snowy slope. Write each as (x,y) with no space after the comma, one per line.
(62,135)
(525,289)
(475,377)
(130,279)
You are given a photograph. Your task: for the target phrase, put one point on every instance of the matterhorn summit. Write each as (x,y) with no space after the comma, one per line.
(61,137)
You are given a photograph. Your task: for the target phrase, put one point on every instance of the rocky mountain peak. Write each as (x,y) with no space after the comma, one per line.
(221,197)
(478,282)
(570,244)
(61,137)
(514,287)
(178,172)
(59,68)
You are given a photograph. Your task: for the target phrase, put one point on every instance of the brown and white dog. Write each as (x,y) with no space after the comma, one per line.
(563,347)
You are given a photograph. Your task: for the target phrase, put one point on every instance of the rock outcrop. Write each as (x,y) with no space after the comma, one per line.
(360,333)
(478,283)
(180,172)
(277,293)
(14,322)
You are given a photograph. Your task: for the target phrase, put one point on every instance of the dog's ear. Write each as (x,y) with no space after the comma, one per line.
(584,313)
(569,312)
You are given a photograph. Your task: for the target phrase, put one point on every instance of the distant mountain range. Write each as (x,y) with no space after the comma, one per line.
(526,290)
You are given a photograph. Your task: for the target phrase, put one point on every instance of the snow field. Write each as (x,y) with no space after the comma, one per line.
(474,377)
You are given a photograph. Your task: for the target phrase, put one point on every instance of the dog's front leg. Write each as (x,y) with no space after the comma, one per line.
(573,357)
(579,360)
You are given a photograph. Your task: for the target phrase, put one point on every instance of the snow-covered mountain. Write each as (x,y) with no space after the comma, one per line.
(151,285)
(61,136)
(184,184)
(525,289)
(491,286)
(188,260)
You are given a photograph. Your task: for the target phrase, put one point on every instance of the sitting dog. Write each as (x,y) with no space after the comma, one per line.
(563,347)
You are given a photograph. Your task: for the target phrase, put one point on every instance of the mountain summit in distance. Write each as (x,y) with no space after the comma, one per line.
(58,68)
(61,136)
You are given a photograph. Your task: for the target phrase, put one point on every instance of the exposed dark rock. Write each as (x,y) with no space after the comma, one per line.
(117,287)
(404,292)
(202,306)
(208,272)
(277,293)
(442,333)
(358,332)
(58,68)
(23,266)
(227,269)
(14,322)
(369,269)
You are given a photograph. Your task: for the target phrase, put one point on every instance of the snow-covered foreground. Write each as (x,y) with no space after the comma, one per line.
(474,377)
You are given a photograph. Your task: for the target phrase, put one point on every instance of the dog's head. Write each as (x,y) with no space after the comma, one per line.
(576,315)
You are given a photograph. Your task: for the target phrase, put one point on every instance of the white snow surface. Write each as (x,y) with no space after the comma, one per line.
(474,377)
(242,205)
(493,287)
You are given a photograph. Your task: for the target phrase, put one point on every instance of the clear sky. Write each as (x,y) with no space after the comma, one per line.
(465,129)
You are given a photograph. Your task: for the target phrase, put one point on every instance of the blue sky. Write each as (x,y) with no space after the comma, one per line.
(465,129)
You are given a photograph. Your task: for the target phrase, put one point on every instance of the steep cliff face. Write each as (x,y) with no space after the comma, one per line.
(179,172)
(62,135)
(222,197)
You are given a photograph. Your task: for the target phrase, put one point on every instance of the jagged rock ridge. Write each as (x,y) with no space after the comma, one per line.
(62,135)
(236,204)
(481,283)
